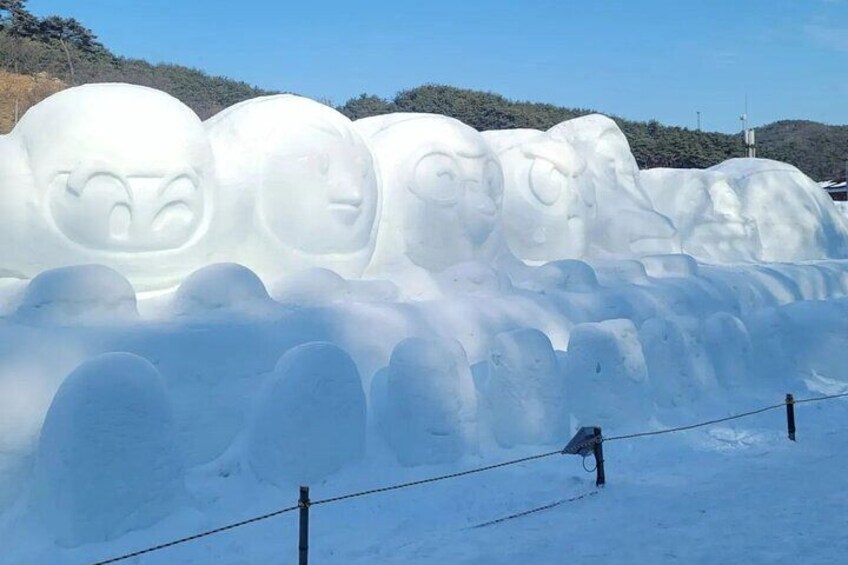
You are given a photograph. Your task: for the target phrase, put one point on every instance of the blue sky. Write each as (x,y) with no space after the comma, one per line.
(640,59)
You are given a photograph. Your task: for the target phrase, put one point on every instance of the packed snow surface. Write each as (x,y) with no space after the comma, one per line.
(198,319)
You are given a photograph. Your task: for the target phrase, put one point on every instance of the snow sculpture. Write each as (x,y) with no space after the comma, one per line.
(429,403)
(524,392)
(627,223)
(706,212)
(310,421)
(794,217)
(85,293)
(728,345)
(548,206)
(114,174)
(301,184)
(442,190)
(225,288)
(607,374)
(107,462)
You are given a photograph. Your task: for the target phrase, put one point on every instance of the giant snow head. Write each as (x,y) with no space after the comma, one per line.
(794,217)
(301,181)
(115,174)
(627,222)
(442,192)
(706,211)
(547,206)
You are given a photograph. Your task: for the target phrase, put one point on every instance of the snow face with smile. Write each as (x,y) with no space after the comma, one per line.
(443,188)
(306,176)
(548,205)
(116,174)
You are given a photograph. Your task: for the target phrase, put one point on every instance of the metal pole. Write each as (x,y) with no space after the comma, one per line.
(790,416)
(303,545)
(598,448)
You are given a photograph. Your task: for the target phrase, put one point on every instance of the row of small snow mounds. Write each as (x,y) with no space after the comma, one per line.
(108,462)
(95,294)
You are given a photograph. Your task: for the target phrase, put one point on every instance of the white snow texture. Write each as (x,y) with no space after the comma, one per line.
(195,318)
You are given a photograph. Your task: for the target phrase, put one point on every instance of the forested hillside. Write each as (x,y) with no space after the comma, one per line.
(64,52)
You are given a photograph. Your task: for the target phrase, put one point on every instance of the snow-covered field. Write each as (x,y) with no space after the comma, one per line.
(198,321)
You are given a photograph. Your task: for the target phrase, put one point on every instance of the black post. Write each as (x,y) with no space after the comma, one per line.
(598,448)
(790,416)
(303,546)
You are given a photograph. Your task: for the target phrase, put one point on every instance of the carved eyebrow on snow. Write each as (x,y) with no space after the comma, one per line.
(471,154)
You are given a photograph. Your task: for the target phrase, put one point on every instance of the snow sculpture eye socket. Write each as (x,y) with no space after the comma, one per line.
(437,179)
(92,208)
(317,162)
(546,181)
(178,205)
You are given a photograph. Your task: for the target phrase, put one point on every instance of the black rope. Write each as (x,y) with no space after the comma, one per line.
(534,510)
(820,398)
(435,479)
(197,536)
(693,426)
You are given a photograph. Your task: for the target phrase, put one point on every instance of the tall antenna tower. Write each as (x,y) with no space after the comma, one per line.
(748,135)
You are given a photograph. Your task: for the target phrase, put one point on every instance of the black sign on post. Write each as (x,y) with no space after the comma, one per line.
(589,440)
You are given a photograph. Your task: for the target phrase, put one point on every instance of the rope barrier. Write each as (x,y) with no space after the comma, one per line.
(694,426)
(471,472)
(435,479)
(820,398)
(534,510)
(197,536)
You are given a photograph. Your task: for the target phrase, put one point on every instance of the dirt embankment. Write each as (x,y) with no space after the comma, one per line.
(19,92)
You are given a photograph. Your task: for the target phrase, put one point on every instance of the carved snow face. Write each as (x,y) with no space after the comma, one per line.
(547,204)
(705,210)
(319,189)
(307,179)
(450,185)
(119,169)
(443,188)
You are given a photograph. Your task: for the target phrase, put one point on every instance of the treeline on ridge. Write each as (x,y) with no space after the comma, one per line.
(64,49)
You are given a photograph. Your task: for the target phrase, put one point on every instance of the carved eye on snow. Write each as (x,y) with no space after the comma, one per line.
(104,210)
(93,208)
(437,179)
(178,202)
(546,181)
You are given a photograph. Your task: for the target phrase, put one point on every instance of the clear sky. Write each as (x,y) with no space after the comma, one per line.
(640,59)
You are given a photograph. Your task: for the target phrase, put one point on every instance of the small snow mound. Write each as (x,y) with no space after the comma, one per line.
(569,275)
(107,461)
(311,418)
(674,265)
(606,374)
(621,271)
(470,278)
(524,392)
(729,347)
(428,396)
(310,287)
(82,293)
(670,361)
(224,287)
